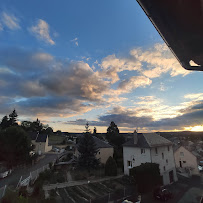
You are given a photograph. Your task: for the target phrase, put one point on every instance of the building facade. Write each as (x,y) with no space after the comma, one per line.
(150,148)
(185,159)
(41,143)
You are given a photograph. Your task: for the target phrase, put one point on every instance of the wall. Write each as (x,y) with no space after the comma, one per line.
(40,147)
(191,160)
(132,152)
(170,166)
(104,153)
(47,147)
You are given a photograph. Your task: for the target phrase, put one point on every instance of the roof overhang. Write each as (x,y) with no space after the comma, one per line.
(180,24)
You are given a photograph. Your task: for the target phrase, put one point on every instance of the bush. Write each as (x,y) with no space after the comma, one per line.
(111,167)
(147,176)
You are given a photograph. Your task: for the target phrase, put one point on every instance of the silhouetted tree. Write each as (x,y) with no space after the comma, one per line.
(113,135)
(13,118)
(95,131)
(87,151)
(147,176)
(110,167)
(48,130)
(37,126)
(87,130)
(58,132)
(27,126)
(15,145)
(4,123)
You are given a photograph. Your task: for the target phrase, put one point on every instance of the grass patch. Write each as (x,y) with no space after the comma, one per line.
(56,139)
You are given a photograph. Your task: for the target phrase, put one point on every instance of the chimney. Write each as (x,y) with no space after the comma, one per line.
(135,137)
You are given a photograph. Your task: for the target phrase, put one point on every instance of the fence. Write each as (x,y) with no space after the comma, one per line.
(32,177)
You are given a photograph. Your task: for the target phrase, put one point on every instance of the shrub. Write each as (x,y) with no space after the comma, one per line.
(110,167)
(147,176)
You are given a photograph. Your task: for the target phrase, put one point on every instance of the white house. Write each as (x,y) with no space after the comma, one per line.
(41,142)
(186,159)
(150,148)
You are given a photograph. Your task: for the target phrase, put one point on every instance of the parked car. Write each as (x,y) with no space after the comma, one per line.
(56,149)
(163,194)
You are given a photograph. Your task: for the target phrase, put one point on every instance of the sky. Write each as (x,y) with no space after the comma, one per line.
(72,62)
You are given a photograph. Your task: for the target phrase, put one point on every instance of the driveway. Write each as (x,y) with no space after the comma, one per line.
(14,178)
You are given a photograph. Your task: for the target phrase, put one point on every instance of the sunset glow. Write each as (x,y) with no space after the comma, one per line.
(86,64)
(195,128)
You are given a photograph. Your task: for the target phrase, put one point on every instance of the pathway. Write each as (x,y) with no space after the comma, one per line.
(76,183)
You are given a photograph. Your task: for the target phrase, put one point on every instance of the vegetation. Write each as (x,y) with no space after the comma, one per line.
(15,146)
(9,121)
(95,131)
(110,167)
(147,176)
(113,136)
(116,140)
(87,151)
(36,126)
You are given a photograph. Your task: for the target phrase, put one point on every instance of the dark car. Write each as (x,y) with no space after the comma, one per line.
(162,193)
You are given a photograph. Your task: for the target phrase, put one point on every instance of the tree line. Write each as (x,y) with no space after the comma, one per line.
(15,143)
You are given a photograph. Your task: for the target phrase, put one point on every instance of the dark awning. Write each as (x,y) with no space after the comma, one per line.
(180,24)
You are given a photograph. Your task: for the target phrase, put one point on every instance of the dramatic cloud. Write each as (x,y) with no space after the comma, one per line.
(41,31)
(37,82)
(151,115)
(134,82)
(159,60)
(77,79)
(112,66)
(10,21)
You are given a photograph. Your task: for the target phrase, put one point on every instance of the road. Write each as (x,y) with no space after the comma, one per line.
(14,177)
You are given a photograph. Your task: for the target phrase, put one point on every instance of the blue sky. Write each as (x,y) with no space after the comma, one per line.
(69,62)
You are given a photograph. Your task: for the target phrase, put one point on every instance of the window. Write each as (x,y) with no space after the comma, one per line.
(129,164)
(162,155)
(168,148)
(156,150)
(166,161)
(181,154)
(164,168)
(142,151)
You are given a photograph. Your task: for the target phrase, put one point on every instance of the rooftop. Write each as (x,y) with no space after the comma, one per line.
(41,138)
(101,144)
(148,140)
